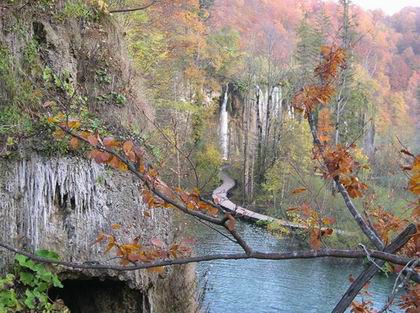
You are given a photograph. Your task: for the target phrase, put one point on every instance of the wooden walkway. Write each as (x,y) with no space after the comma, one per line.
(220,197)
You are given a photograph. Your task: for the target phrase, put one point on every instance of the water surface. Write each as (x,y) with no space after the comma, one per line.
(260,286)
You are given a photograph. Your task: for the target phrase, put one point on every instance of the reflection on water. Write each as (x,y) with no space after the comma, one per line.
(259,286)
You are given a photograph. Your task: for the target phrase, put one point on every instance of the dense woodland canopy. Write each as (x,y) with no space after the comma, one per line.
(188,51)
(321,98)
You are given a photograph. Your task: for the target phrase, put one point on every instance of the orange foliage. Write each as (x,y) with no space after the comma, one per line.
(386,223)
(410,302)
(312,96)
(134,251)
(317,226)
(333,59)
(414,182)
(340,164)
(309,98)
(324,125)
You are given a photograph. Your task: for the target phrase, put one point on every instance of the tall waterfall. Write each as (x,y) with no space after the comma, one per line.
(224,126)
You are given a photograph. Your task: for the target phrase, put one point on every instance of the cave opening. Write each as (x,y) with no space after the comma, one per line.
(94,295)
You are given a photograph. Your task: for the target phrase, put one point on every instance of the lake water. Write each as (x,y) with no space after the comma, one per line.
(259,286)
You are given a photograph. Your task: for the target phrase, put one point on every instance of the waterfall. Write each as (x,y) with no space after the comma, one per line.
(224,126)
(276,96)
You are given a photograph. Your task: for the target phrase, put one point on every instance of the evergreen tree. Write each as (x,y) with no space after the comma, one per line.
(307,51)
(346,83)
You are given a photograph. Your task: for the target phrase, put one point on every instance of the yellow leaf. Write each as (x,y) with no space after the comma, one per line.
(190,206)
(111,244)
(100,238)
(74,124)
(158,269)
(298,190)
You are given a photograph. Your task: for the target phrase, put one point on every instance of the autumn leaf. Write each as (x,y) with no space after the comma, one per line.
(158,243)
(92,139)
(328,220)
(212,210)
(130,248)
(100,156)
(73,124)
(414,183)
(51,119)
(101,237)
(118,164)
(111,142)
(314,239)
(174,250)
(115,226)
(152,173)
(141,168)
(190,205)
(298,190)
(74,143)
(148,198)
(327,232)
(128,146)
(85,134)
(124,261)
(158,269)
(111,244)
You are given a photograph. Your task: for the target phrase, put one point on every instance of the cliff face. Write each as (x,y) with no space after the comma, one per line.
(83,48)
(62,203)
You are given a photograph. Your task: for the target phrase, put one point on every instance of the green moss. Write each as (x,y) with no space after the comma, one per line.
(78,9)
(31,58)
(6,73)
(13,121)
(113,98)
(18,90)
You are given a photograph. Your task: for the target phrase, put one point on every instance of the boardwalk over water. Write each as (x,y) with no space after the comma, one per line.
(220,197)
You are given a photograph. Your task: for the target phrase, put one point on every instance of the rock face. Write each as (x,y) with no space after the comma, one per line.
(86,53)
(62,204)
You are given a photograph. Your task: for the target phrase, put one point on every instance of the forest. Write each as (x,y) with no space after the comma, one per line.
(209,156)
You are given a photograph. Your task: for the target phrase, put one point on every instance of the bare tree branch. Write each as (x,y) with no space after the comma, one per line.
(134,9)
(309,254)
(225,221)
(153,188)
(373,268)
(364,226)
